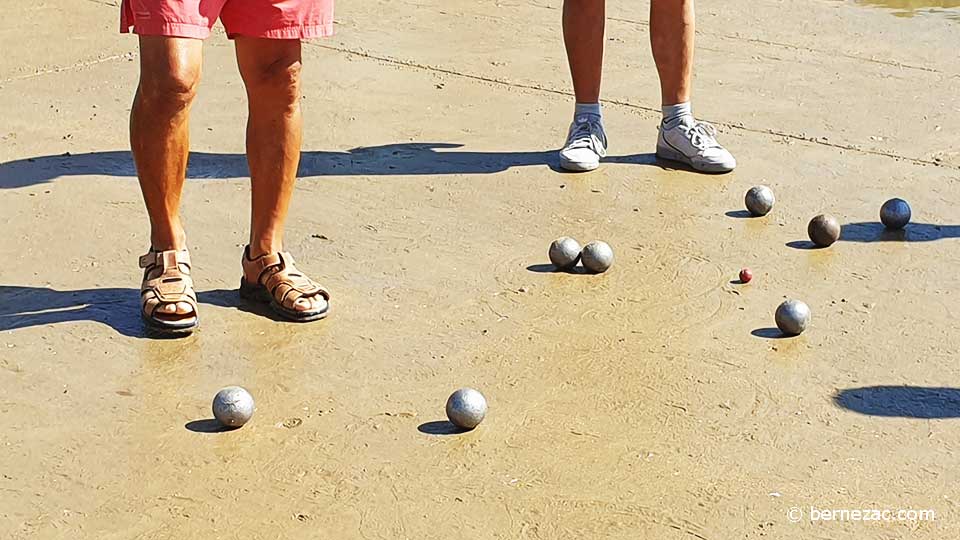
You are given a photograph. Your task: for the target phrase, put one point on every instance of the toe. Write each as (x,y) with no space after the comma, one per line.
(579,159)
(184,308)
(313,304)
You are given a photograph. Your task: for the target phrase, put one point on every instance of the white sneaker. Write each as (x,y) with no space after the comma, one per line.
(586,144)
(695,144)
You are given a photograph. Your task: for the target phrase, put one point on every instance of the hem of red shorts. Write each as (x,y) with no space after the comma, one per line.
(167,29)
(290,32)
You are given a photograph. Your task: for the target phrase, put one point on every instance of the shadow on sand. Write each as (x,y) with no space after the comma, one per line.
(901,401)
(913,232)
(769,333)
(118,308)
(440,427)
(208,425)
(386,160)
(867,232)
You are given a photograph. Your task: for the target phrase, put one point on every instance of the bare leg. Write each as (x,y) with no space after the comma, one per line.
(159,134)
(583,24)
(671,37)
(681,138)
(271,72)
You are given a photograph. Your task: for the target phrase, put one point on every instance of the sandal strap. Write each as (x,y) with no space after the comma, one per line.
(172,285)
(289,285)
(278,275)
(168,292)
(165,259)
(263,263)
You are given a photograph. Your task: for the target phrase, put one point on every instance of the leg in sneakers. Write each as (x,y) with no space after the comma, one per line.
(681,137)
(586,140)
(583,25)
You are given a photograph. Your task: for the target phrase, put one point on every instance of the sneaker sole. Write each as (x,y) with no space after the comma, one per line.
(575,166)
(672,155)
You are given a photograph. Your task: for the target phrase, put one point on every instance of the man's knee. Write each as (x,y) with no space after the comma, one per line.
(279,79)
(172,88)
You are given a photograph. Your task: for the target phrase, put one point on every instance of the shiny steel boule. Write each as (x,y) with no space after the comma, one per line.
(824,230)
(792,317)
(759,200)
(597,257)
(233,406)
(466,408)
(895,214)
(564,253)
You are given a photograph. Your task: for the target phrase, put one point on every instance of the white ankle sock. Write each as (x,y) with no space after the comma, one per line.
(587,108)
(672,114)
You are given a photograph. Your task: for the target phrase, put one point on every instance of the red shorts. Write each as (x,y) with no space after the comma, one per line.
(275,19)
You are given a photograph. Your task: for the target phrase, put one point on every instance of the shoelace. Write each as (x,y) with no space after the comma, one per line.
(588,133)
(701,135)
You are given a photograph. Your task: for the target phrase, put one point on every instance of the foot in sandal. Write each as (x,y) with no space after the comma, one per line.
(273,278)
(167,300)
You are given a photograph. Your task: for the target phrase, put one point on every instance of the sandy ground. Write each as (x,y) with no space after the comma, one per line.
(650,402)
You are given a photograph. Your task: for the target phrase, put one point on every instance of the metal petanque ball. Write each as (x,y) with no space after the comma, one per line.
(792,317)
(233,406)
(564,253)
(466,408)
(597,257)
(759,200)
(824,230)
(895,214)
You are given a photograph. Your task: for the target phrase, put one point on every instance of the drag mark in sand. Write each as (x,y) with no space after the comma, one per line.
(632,516)
(71,67)
(892,63)
(655,111)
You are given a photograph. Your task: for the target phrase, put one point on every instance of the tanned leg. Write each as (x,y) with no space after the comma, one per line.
(160,137)
(671,37)
(583,25)
(271,72)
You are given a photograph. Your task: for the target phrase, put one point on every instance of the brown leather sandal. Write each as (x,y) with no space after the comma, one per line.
(167,281)
(281,284)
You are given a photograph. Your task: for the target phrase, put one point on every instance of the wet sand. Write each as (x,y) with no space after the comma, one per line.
(912,8)
(653,401)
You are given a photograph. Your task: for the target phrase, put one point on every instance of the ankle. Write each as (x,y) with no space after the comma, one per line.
(258,248)
(168,240)
(673,114)
(587,108)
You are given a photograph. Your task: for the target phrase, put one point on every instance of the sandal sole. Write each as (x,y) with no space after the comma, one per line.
(258,293)
(155,327)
